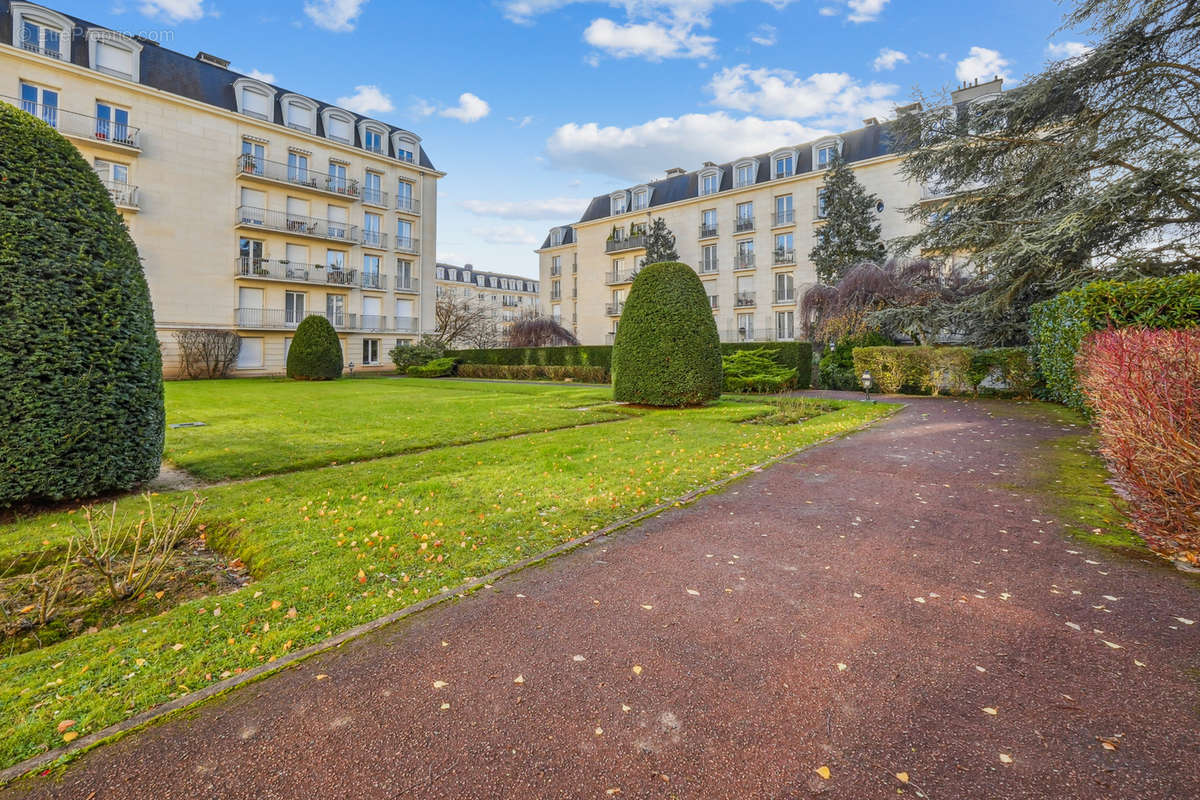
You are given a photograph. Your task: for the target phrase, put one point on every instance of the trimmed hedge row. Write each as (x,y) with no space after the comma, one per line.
(796,355)
(756,371)
(533,372)
(1059,325)
(81,389)
(438,368)
(931,370)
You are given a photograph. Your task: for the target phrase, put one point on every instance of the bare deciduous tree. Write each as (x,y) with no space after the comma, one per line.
(458,321)
(207,353)
(539,332)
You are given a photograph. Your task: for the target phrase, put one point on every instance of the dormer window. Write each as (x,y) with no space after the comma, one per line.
(745,173)
(114,54)
(783,164)
(255,98)
(339,125)
(406,146)
(299,113)
(42,31)
(825,152)
(556,237)
(710,181)
(373,135)
(641,197)
(617,203)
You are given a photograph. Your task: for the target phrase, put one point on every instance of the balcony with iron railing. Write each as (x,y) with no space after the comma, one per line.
(407,204)
(709,266)
(614,309)
(407,284)
(785,217)
(33,47)
(714,302)
(620,276)
(81,126)
(555,296)
(743,261)
(743,299)
(375,197)
(555,270)
(296,272)
(405,324)
(296,224)
(372,279)
(753,334)
(289,319)
(708,231)
(744,224)
(783,257)
(626,243)
(249,166)
(781,296)
(124,195)
(408,244)
(376,240)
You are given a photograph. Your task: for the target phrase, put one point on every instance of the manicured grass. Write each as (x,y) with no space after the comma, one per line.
(332,548)
(261,427)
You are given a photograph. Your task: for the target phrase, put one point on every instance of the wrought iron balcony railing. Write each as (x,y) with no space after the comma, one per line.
(627,243)
(81,126)
(297,224)
(743,299)
(249,165)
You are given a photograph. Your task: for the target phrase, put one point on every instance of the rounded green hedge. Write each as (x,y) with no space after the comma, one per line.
(316,353)
(667,352)
(81,392)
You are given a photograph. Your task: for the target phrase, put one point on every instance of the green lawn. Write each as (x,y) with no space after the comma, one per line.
(332,548)
(256,427)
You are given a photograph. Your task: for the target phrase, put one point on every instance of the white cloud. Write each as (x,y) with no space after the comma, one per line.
(506,234)
(640,151)
(470,108)
(423,108)
(766,35)
(1067,49)
(651,41)
(888,59)
(174,10)
(828,99)
(258,75)
(367,100)
(828,11)
(551,208)
(865,10)
(981,63)
(339,16)
(523,121)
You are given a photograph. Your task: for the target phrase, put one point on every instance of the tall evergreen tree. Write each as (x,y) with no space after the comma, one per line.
(1089,169)
(660,243)
(850,234)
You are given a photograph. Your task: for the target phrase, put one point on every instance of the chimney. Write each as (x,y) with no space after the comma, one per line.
(911,108)
(209,58)
(973,89)
(870,122)
(673,171)
(709,164)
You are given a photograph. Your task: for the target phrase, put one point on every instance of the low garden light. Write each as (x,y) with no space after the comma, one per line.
(351,366)
(867,382)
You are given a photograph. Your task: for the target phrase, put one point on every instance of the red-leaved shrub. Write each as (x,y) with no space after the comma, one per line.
(1145,388)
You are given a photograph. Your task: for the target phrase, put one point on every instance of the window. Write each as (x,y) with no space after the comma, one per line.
(745,254)
(784,213)
(116,61)
(372,312)
(41,31)
(254,98)
(404,270)
(708,222)
(370,278)
(404,234)
(253,157)
(784,249)
(744,174)
(405,146)
(299,113)
(372,231)
(556,312)
(784,166)
(250,256)
(708,258)
(335,260)
(253,202)
(405,155)
(250,355)
(112,124)
(822,209)
(339,125)
(825,152)
(618,203)
(335,309)
(297,255)
(110,172)
(298,168)
(785,287)
(745,217)
(404,196)
(441,274)
(293,307)
(370,352)
(556,265)
(373,141)
(710,182)
(785,325)
(556,237)
(338,221)
(337,177)
(745,326)
(42,103)
(372,189)
(641,198)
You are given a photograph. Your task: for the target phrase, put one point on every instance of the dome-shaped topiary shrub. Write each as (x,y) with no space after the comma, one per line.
(667,352)
(81,392)
(316,353)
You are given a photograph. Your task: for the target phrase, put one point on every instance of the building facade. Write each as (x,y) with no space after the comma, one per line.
(505,298)
(252,207)
(745,226)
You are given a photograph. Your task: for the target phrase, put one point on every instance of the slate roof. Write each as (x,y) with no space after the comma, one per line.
(859,145)
(471,272)
(179,74)
(568,237)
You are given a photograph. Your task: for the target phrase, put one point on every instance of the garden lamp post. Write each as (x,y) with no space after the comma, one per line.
(867,380)
(351,368)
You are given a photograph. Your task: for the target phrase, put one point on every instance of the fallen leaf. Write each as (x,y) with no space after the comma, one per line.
(1186,621)
(177,646)
(918,599)
(70,736)
(599,731)
(626,708)
(440,684)
(1112,645)
(823,772)
(842,667)
(990,710)
(647,607)
(637,669)
(693,592)
(66,723)
(1005,758)
(902,777)
(519,679)
(445,706)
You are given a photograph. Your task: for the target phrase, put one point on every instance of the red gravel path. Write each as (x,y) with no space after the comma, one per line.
(634,686)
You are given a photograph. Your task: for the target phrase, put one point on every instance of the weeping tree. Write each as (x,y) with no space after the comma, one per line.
(660,243)
(1090,169)
(901,299)
(850,232)
(539,332)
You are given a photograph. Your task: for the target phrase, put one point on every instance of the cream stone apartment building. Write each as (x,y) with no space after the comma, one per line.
(746,226)
(252,206)
(506,298)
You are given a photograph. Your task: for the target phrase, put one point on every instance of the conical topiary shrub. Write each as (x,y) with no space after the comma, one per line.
(81,393)
(667,352)
(316,353)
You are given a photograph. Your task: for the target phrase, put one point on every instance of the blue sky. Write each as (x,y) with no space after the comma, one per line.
(534,106)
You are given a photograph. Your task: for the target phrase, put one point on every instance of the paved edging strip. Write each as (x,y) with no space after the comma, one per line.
(157,713)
